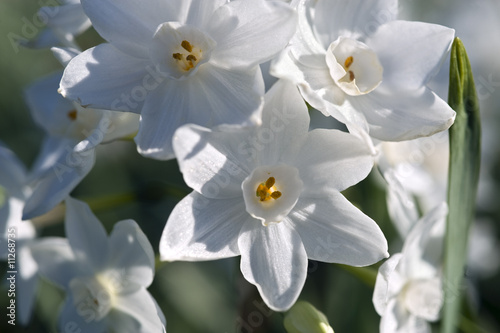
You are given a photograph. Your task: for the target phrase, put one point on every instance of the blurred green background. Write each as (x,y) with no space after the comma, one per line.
(213,296)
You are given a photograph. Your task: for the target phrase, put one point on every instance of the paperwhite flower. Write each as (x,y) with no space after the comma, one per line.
(354,61)
(68,153)
(408,290)
(105,278)
(62,24)
(179,62)
(13,193)
(272,195)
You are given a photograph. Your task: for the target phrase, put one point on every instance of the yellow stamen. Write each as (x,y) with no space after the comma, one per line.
(191,58)
(72,114)
(177,56)
(187,46)
(348,62)
(265,190)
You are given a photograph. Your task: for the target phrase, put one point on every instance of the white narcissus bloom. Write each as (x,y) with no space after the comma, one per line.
(68,152)
(105,278)
(408,290)
(272,195)
(13,193)
(178,62)
(354,61)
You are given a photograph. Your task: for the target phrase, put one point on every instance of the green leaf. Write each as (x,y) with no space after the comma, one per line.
(465,155)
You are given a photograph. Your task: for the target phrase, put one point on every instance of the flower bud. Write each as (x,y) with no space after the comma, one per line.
(305,318)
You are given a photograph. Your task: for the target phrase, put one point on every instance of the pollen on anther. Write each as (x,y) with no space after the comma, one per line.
(276,194)
(177,56)
(72,114)
(270,182)
(191,58)
(348,62)
(187,46)
(351,76)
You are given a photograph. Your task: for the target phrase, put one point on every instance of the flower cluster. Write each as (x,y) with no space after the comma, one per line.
(191,80)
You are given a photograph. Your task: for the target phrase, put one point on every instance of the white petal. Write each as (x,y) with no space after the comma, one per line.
(56,260)
(121,124)
(209,161)
(58,179)
(423,248)
(79,317)
(388,283)
(333,230)
(131,253)
(212,97)
(129,25)
(424,298)
(86,235)
(402,115)
(354,18)
(203,229)
(248,34)
(275,261)
(332,159)
(48,108)
(67,18)
(141,307)
(285,124)
(410,52)
(13,174)
(64,55)
(397,320)
(103,77)
(26,283)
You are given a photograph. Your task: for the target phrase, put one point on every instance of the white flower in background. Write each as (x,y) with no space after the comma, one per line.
(13,193)
(105,278)
(62,24)
(354,61)
(68,153)
(409,289)
(272,195)
(178,62)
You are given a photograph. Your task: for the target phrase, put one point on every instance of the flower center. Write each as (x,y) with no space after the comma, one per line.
(93,297)
(263,200)
(188,56)
(266,191)
(178,50)
(72,115)
(353,66)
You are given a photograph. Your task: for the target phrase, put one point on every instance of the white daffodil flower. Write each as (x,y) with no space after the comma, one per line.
(16,236)
(68,153)
(354,61)
(409,289)
(272,195)
(105,278)
(178,62)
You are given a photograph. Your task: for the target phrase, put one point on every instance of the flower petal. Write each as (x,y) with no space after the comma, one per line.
(103,77)
(332,159)
(203,229)
(388,283)
(208,161)
(411,53)
(142,308)
(403,115)
(129,25)
(285,124)
(424,298)
(353,19)
(79,318)
(335,231)
(397,319)
(86,235)
(212,97)
(56,260)
(57,179)
(248,34)
(131,253)
(13,175)
(275,261)
(26,283)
